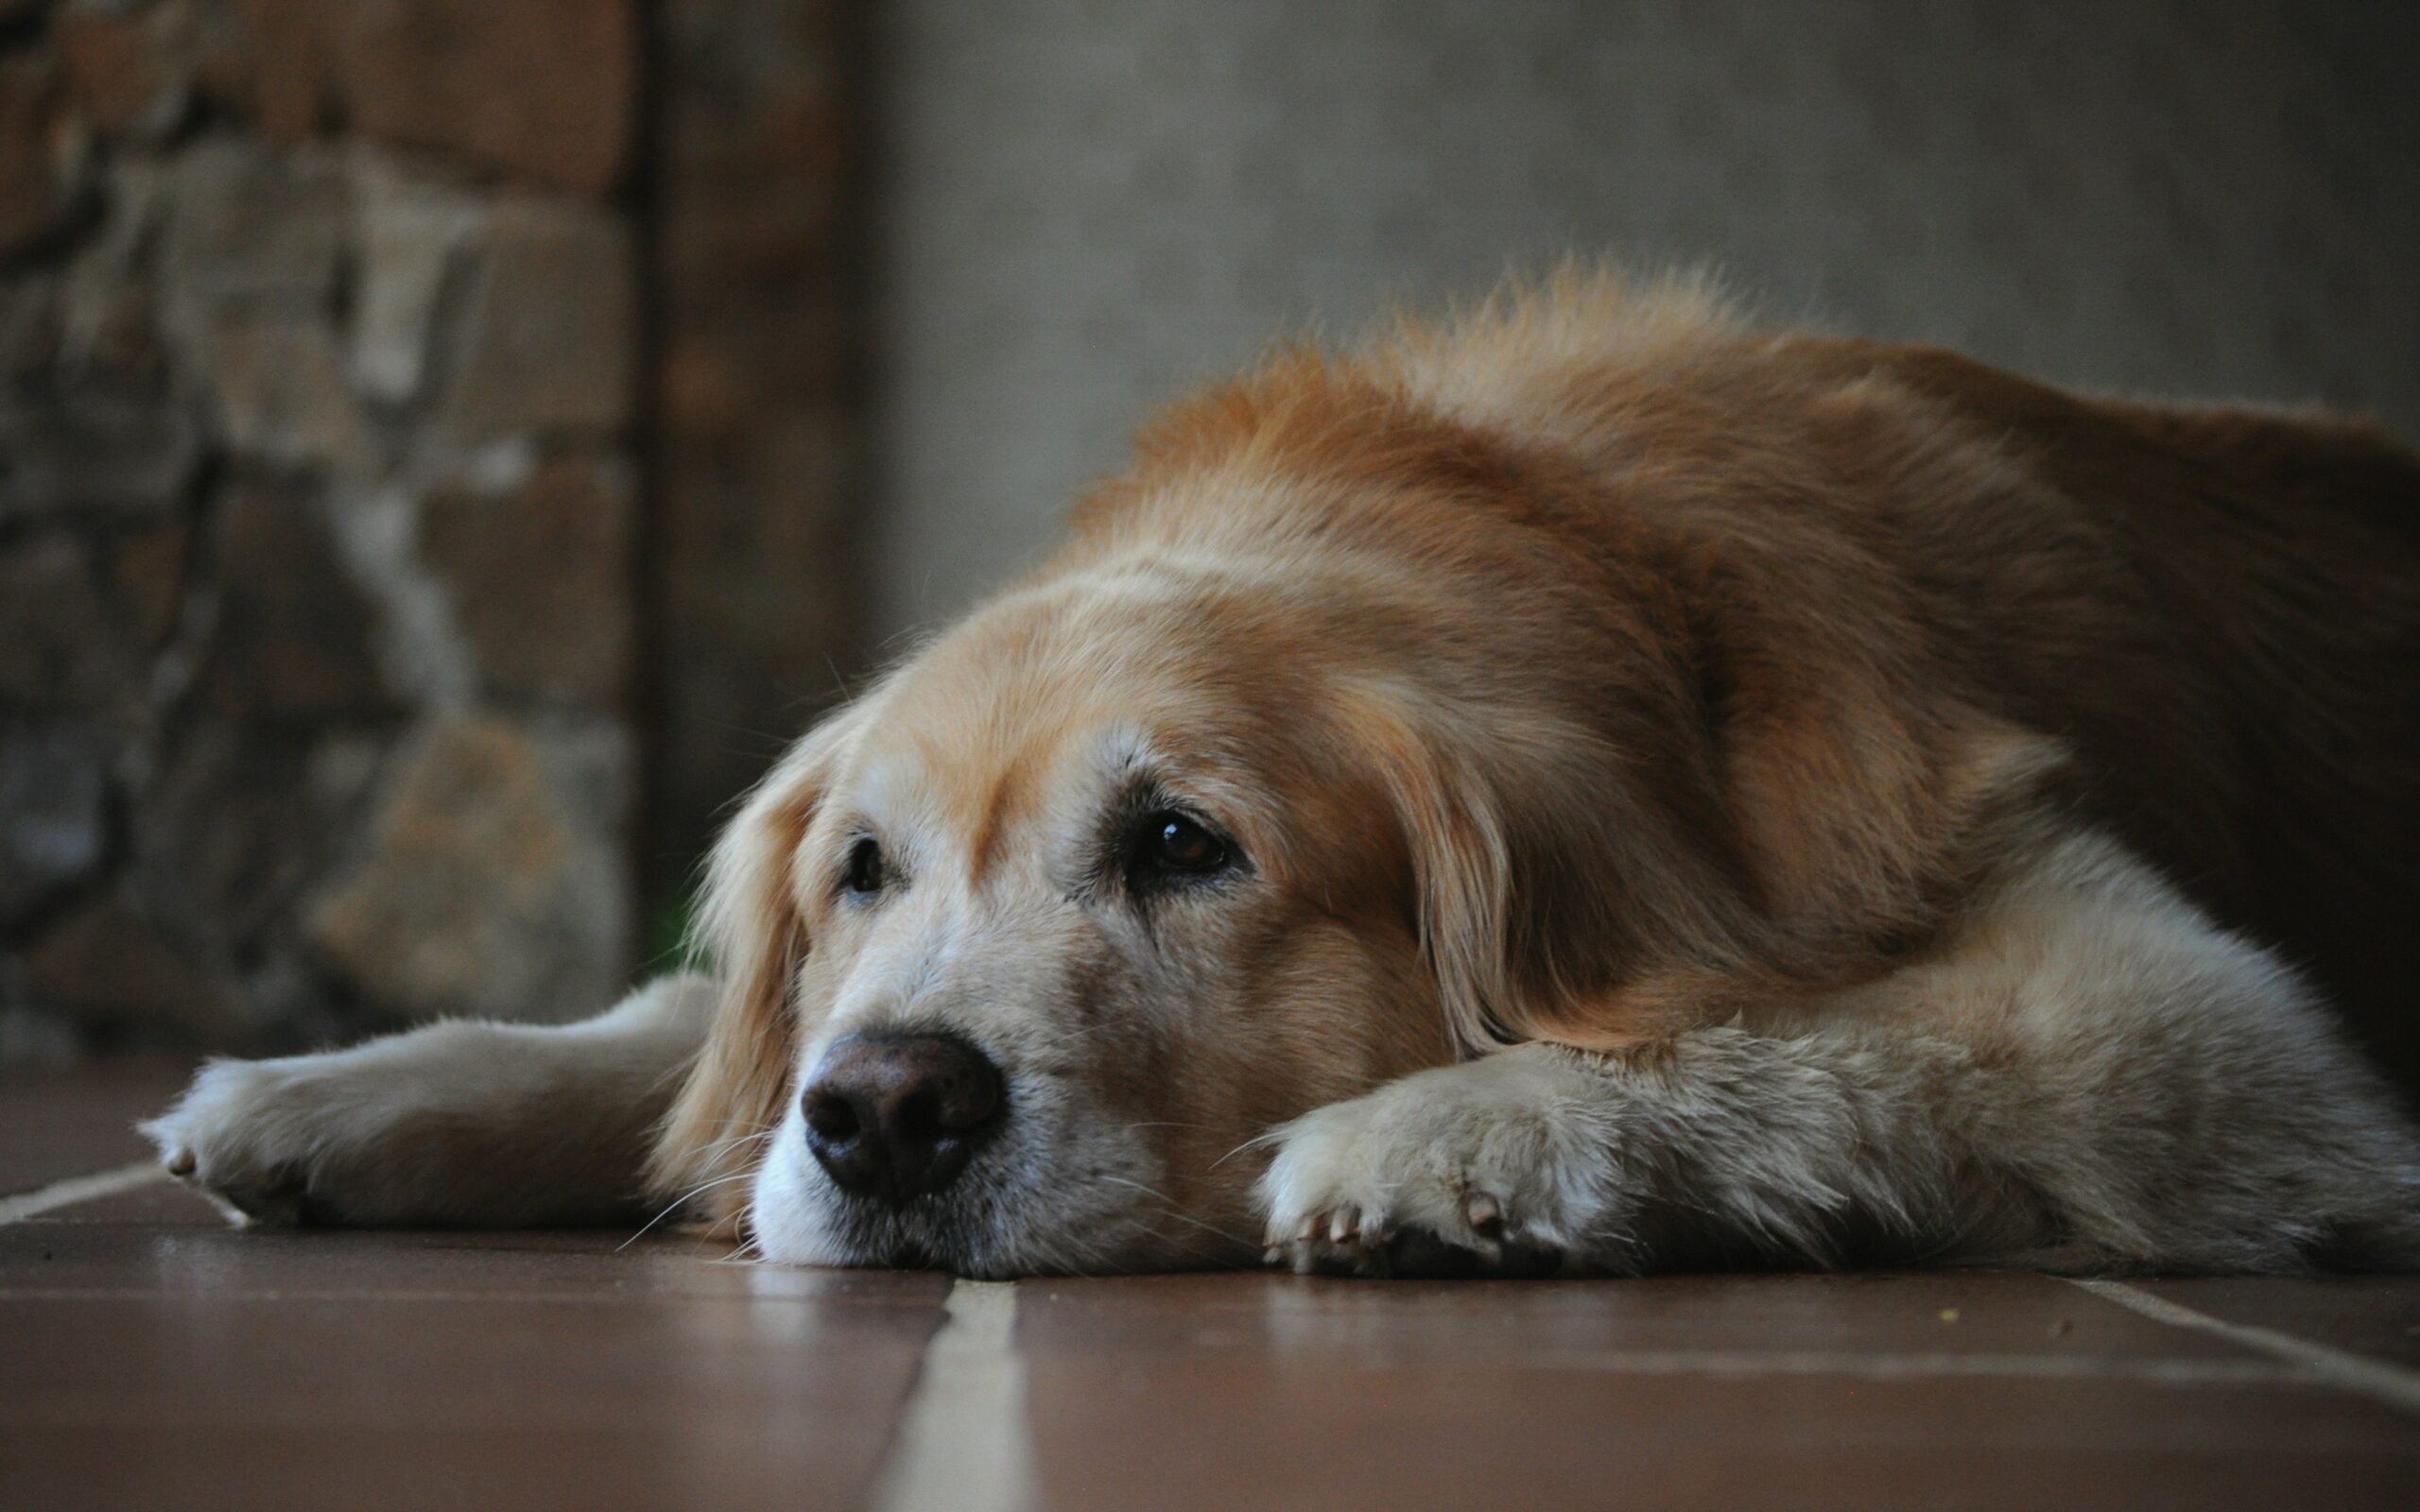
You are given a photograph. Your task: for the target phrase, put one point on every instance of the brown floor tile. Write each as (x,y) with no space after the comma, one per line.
(204,1369)
(1569,1323)
(56,1125)
(1713,1391)
(2375,1315)
(1238,1431)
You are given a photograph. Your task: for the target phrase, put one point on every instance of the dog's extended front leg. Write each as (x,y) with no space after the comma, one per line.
(1726,1145)
(454,1124)
(2086,1073)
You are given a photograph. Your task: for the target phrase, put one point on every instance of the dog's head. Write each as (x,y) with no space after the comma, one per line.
(1027,944)
(1347,738)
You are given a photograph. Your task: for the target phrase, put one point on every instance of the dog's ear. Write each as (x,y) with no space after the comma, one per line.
(1461,903)
(1518,895)
(1851,799)
(1861,824)
(749,924)
(1565,890)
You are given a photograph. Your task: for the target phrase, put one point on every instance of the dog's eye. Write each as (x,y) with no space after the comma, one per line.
(1172,845)
(864,874)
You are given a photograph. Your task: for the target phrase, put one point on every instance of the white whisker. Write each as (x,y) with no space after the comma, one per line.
(676,1204)
(1169,1210)
(1254,1142)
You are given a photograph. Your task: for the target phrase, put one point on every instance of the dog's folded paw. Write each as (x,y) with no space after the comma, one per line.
(1472,1170)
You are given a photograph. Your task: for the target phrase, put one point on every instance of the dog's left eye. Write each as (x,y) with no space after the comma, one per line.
(864,874)
(1171,845)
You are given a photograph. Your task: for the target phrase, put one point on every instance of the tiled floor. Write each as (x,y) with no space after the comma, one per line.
(152,1357)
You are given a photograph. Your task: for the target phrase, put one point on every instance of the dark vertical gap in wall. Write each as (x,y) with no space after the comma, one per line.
(856,273)
(654,877)
(757,680)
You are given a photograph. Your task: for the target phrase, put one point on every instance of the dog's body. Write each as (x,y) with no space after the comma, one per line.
(1590,787)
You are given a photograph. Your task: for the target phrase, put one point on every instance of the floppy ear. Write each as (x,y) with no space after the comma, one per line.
(1517,894)
(750,926)
(1565,895)
(1462,881)
(1863,827)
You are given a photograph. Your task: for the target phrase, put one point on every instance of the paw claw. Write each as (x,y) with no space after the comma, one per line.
(1486,1215)
(1410,1180)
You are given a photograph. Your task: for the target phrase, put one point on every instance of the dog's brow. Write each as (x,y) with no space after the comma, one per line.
(1008,793)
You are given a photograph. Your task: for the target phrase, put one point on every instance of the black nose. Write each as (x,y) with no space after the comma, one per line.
(896,1115)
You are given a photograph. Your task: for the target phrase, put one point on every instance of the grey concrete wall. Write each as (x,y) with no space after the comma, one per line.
(1089,206)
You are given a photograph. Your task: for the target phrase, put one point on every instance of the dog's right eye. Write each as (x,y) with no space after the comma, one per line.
(864,874)
(1168,848)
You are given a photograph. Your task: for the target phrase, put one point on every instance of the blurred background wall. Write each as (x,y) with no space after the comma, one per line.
(447,446)
(1086,206)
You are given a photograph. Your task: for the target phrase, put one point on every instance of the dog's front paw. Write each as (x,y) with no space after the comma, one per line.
(1499,1167)
(271,1141)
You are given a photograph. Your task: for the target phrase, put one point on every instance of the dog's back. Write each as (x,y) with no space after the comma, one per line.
(2278,556)
(2216,611)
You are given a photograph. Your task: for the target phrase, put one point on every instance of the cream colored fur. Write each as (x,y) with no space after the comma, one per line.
(459,1123)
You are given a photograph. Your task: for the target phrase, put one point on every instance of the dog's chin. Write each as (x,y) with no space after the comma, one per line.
(1013,1212)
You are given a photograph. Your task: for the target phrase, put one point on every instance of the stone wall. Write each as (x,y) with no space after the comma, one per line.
(320,339)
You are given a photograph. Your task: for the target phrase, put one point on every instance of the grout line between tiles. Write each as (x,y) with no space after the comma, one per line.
(2373,1379)
(77,1188)
(379,1293)
(963,1441)
(1919,1365)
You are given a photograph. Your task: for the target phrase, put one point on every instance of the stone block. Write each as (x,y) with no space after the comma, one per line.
(540,577)
(253,235)
(145,571)
(54,813)
(282,396)
(494,882)
(87,451)
(109,326)
(234,828)
(543,90)
(60,645)
(267,60)
(111,968)
(29,325)
(412,235)
(294,638)
(548,325)
(125,75)
(42,154)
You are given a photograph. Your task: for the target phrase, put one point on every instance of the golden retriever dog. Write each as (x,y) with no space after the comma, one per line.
(1587,786)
